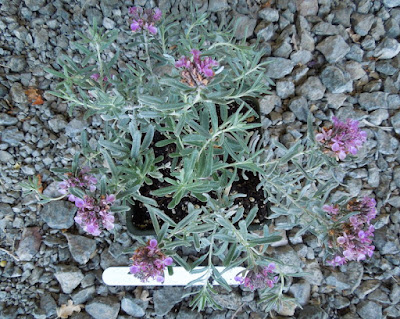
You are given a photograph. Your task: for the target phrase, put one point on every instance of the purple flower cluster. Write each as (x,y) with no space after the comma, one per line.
(196,71)
(343,138)
(92,214)
(354,239)
(259,278)
(144,19)
(149,262)
(83,180)
(96,77)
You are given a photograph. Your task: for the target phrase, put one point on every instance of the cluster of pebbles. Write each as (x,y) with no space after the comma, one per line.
(331,57)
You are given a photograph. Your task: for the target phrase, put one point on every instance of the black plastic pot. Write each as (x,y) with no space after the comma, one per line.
(254,103)
(133,229)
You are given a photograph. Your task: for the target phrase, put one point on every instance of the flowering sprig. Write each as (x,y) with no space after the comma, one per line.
(149,262)
(196,71)
(343,138)
(259,278)
(83,180)
(354,236)
(145,19)
(92,215)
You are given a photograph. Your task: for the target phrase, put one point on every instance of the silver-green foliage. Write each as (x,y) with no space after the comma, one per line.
(212,147)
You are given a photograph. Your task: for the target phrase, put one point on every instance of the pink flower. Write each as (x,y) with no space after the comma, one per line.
(343,138)
(355,237)
(259,278)
(197,71)
(149,262)
(145,19)
(95,76)
(135,25)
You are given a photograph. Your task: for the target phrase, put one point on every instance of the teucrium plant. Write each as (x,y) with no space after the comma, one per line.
(181,88)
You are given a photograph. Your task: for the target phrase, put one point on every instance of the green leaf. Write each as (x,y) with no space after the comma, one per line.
(77,192)
(160,214)
(192,216)
(163,232)
(111,165)
(252,214)
(103,185)
(120,209)
(310,128)
(265,240)
(55,73)
(148,138)
(75,163)
(181,262)
(114,148)
(230,255)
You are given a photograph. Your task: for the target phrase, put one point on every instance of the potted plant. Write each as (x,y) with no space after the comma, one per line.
(182,156)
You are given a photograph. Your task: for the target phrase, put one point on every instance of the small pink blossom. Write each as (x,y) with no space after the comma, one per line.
(354,239)
(149,262)
(259,278)
(144,19)
(343,138)
(196,71)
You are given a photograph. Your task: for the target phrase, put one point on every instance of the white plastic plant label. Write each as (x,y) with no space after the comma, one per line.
(120,276)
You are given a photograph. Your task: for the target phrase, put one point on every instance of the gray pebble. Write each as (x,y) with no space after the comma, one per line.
(268,103)
(391,3)
(393,101)
(299,107)
(17,64)
(336,80)
(6,119)
(29,244)
(325,28)
(312,312)
(12,136)
(69,277)
(165,299)
(392,28)
(278,68)
(245,27)
(18,94)
(132,307)
(34,5)
(108,24)
(83,295)
(59,214)
(395,120)
(103,308)
(41,38)
(355,53)
(81,247)
(362,23)
(369,310)
(48,304)
(386,144)
(269,14)
(301,56)
(334,48)
(387,49)
(284,89)
(373,101)
(217,6)
(301,291)
(307,7)
(312,89)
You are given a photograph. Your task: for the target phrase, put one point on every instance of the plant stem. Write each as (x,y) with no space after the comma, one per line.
(146,46)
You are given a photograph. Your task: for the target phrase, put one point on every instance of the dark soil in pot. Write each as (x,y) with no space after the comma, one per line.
(139,221)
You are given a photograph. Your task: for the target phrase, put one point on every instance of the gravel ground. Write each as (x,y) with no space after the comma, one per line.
(331,58)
